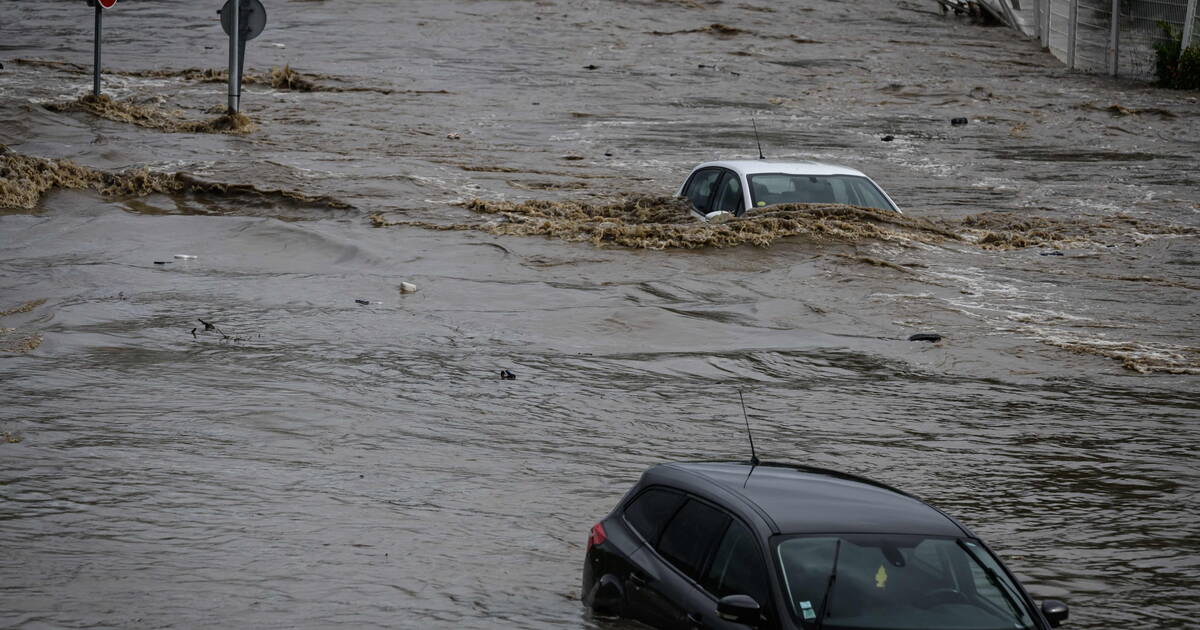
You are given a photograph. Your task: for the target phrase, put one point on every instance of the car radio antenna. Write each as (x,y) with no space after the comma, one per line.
(760,155)
(749,434)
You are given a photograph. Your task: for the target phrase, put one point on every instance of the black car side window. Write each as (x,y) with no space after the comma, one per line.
(701,186)
(737,567)
(651,510)
(690,535)
(729,194)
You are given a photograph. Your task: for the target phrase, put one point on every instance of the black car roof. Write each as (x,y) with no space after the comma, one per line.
(801,499)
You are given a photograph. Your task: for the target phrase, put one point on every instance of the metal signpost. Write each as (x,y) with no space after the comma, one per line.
(242,20)
(100,6)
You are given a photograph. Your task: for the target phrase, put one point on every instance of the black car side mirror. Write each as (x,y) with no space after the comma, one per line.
(1055,611)
(740,609)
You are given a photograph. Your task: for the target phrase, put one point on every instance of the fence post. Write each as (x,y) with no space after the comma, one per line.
(1114,38)
(1072,26)
(1188,23)
(1044,23)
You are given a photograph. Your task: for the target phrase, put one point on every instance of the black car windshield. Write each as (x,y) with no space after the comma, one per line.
(898,582)
(768,189)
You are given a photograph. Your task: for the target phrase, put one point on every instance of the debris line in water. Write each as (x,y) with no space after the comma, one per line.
(24,179)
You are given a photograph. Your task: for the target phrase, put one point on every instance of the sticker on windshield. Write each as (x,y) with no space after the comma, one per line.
(881,577)
(806,611)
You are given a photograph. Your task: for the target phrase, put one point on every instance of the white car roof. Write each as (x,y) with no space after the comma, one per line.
(790,167)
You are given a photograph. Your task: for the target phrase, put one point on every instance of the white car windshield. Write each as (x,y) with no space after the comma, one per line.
(768,189)
(893,582)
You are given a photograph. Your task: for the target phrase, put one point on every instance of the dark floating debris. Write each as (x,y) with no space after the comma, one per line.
(958,122)
(888,138)
(208,326)
(363,302)
(591,66)
(930,337)
(162,262)
(506,375)
(1053,253)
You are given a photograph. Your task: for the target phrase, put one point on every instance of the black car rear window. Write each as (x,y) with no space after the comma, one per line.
(690,535)
(651,510)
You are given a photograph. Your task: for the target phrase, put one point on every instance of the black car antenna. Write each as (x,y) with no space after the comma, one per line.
(749,434)
(760,154)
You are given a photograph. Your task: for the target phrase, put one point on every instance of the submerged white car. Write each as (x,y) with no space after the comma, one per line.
(718,190)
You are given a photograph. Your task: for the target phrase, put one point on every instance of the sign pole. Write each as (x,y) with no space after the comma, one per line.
(235,87)
(1188,23)
(96,61)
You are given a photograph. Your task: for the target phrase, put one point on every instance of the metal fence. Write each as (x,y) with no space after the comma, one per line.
(1084,35)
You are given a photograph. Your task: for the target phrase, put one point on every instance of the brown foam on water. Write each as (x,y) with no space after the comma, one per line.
(1140,358)
(649,222)
(1003,231)
(16,341)
(24,308)
(24,179)
(153,118)
(284,78)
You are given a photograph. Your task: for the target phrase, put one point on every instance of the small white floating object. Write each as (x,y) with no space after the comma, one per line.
(185,257)
(408,287)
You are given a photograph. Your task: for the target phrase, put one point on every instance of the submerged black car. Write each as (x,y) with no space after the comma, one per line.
(728,545)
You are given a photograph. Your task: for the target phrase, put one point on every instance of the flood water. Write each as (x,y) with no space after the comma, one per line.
(333,463)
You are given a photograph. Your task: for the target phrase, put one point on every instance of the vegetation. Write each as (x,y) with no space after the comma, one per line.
(1172,69)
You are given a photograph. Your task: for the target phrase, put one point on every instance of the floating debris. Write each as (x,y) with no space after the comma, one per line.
(1121,110)
(8,437)
(210,327)
(184,257)
(720,30)
(24,308)
(507,375)
(284,78)
(1137,357)
(877,262)
(408,287)
(151,118)
(930,337)
(24,179)
(17,342)
(650,222)
(958,122)
(363,302)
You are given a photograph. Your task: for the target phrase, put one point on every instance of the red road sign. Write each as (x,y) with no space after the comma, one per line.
(107,4)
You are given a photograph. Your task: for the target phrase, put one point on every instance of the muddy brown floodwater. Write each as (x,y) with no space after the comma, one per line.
(314,462)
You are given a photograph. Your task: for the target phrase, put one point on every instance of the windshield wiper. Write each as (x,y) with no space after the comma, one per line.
(994,579)
(837,550)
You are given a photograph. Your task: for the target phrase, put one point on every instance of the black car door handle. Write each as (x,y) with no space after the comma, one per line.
(697,619)
(636,579)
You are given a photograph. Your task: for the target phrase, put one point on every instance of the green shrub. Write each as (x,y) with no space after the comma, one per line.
(1172,70)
